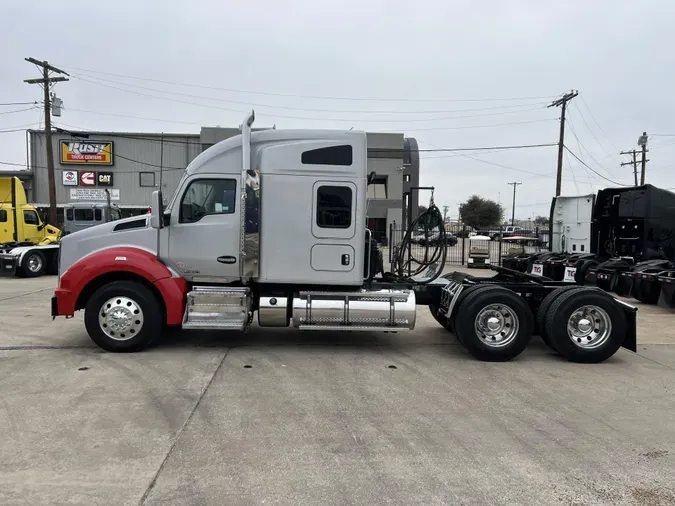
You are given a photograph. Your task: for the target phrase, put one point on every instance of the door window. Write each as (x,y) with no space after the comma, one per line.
(207,196)
(334,207)
(3,216)
(31,218)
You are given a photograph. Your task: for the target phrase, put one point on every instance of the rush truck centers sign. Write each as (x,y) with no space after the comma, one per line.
(87,152)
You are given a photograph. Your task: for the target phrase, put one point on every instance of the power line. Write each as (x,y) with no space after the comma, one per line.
(19,110)
(370,150)
(598,124)
(591,169)
(584,148)
(18,103)
(305,118)
(591,132)
(315,97)
(251,104)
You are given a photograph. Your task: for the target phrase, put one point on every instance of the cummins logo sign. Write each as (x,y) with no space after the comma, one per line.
(87,152)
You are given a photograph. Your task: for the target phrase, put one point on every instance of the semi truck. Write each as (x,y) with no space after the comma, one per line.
(29,247)
(272,224)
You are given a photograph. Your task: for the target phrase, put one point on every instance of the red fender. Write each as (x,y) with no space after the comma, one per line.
(122,259)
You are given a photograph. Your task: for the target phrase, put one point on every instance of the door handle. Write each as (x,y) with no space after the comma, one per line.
(227,259)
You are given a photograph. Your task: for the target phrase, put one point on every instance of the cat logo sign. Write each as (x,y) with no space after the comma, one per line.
(87,152)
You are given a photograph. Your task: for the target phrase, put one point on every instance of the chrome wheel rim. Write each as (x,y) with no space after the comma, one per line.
(496,325)
(34,263)
(120,318)
(589,327)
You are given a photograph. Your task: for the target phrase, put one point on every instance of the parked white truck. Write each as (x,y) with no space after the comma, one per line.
(274,222)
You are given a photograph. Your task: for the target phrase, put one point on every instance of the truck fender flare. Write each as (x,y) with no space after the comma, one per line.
(109,261)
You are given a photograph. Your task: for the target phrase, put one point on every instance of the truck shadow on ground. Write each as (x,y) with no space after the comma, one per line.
(346,341)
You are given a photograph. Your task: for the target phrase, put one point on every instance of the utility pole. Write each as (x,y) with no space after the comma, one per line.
(445,213)
(45,81)
(513,208)
(642,142)
(633,163)
(562,102)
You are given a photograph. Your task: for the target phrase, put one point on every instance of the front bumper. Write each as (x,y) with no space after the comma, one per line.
(63,303)
(8,264)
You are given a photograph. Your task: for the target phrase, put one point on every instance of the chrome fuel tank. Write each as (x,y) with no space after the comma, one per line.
(363,310)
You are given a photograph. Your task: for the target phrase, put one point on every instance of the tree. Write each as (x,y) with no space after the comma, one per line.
(421,209)
(479,212)
(541,221)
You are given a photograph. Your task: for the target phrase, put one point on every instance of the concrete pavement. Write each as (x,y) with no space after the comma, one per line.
(348,418)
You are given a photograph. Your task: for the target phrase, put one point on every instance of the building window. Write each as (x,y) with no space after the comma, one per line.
(207,196)
(147,179)
(30,218)
(332,155)
(334,207)
(406,178)
(3,216)
(97,215)
(84,215)
(378,188)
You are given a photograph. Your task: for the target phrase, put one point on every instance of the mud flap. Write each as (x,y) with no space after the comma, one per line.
(630,340)
(8,265)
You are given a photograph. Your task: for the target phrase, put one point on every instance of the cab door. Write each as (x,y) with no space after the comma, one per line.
(204,231)
(31,227)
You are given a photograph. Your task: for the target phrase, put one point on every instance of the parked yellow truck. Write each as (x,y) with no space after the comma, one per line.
(28,246)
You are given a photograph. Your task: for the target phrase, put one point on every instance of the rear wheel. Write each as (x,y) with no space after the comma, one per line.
(586,325)
(123,316)
(33,264)
(494,324)
(543,310)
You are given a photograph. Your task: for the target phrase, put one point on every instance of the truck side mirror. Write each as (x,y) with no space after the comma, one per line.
(157,210)
(371,177)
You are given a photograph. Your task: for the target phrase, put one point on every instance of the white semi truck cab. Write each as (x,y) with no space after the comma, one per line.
(273,223)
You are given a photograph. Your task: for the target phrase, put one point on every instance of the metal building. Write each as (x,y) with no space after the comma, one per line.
(132,165)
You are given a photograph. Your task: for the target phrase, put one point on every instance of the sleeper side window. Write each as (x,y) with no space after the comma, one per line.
(334,207)
(207,196)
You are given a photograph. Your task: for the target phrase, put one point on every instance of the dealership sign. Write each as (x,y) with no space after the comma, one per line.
(93,194)
(87,178)
(69,177)
(105,178)
(87,152)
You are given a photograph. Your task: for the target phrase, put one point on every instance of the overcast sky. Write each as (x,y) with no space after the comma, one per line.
(430,69)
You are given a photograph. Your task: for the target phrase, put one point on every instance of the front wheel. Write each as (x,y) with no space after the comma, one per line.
(123,316)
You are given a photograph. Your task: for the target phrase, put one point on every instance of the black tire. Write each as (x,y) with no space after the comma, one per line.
(33,264)
(540,319)
(572,348)
(582,270)
(507,305)
(143,303)
(442,320)
(462,297)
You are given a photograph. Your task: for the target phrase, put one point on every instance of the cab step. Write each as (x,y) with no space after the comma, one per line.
(217,308)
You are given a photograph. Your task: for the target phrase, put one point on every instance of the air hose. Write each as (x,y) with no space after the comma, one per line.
(408,262)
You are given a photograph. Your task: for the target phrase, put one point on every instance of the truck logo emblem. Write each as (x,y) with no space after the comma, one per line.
(88,178)
(69,178)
